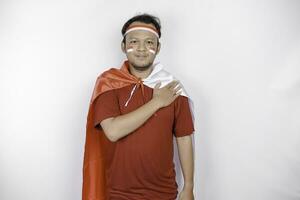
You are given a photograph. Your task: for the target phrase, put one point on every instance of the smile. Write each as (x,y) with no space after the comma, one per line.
(139,56)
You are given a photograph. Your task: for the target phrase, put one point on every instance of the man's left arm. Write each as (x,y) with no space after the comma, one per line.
(183,130)
(186,156)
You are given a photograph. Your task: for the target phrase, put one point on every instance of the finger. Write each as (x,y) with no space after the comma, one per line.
(175,85)
(179,92)
(177,89)
(176,95)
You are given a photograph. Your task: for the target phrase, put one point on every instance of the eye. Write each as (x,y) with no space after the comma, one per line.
(132,42)
(150,42)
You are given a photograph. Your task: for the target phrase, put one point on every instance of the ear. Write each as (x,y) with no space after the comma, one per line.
(158,48)
(123,47)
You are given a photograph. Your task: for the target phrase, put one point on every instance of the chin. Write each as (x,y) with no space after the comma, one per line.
(142,65)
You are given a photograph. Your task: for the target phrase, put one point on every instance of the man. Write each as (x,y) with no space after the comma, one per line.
(131,124)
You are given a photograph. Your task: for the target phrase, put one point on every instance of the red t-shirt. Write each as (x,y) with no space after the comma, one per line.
(141,164)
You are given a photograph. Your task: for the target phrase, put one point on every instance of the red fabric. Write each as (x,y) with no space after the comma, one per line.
(152,143)
(94,182)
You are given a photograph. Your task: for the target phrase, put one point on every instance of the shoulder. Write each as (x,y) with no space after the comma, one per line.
(180,100)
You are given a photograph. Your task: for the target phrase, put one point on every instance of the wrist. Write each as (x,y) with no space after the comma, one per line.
(188,185)
(156,103)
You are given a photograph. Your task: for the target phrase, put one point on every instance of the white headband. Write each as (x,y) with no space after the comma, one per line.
(141,28)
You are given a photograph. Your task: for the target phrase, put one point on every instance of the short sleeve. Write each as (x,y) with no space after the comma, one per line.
(106,106)
(183,123)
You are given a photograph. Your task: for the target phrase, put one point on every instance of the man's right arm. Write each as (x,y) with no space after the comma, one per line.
(120,126)
(116,128)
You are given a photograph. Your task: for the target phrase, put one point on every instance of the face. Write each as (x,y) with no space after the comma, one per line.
(141,48)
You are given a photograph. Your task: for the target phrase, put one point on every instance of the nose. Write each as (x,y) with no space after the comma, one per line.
(141,47)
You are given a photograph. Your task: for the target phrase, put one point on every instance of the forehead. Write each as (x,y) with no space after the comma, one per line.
(141,34)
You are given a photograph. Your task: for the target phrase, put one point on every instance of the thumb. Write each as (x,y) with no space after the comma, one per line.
(157,85)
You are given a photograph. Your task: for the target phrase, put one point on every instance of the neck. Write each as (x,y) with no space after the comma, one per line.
(140,72)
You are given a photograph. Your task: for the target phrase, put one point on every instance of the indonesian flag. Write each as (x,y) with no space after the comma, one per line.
(94,183)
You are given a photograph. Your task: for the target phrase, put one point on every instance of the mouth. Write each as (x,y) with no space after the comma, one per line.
(141,56)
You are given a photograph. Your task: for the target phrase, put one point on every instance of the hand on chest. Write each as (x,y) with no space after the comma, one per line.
(131,99)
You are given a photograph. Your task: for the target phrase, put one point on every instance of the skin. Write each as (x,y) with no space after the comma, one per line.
(140,41)
(141,65)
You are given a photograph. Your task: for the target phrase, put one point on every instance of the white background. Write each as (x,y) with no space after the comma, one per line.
(238,60)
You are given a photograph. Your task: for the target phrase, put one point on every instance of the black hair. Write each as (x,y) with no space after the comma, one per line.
(144,18)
